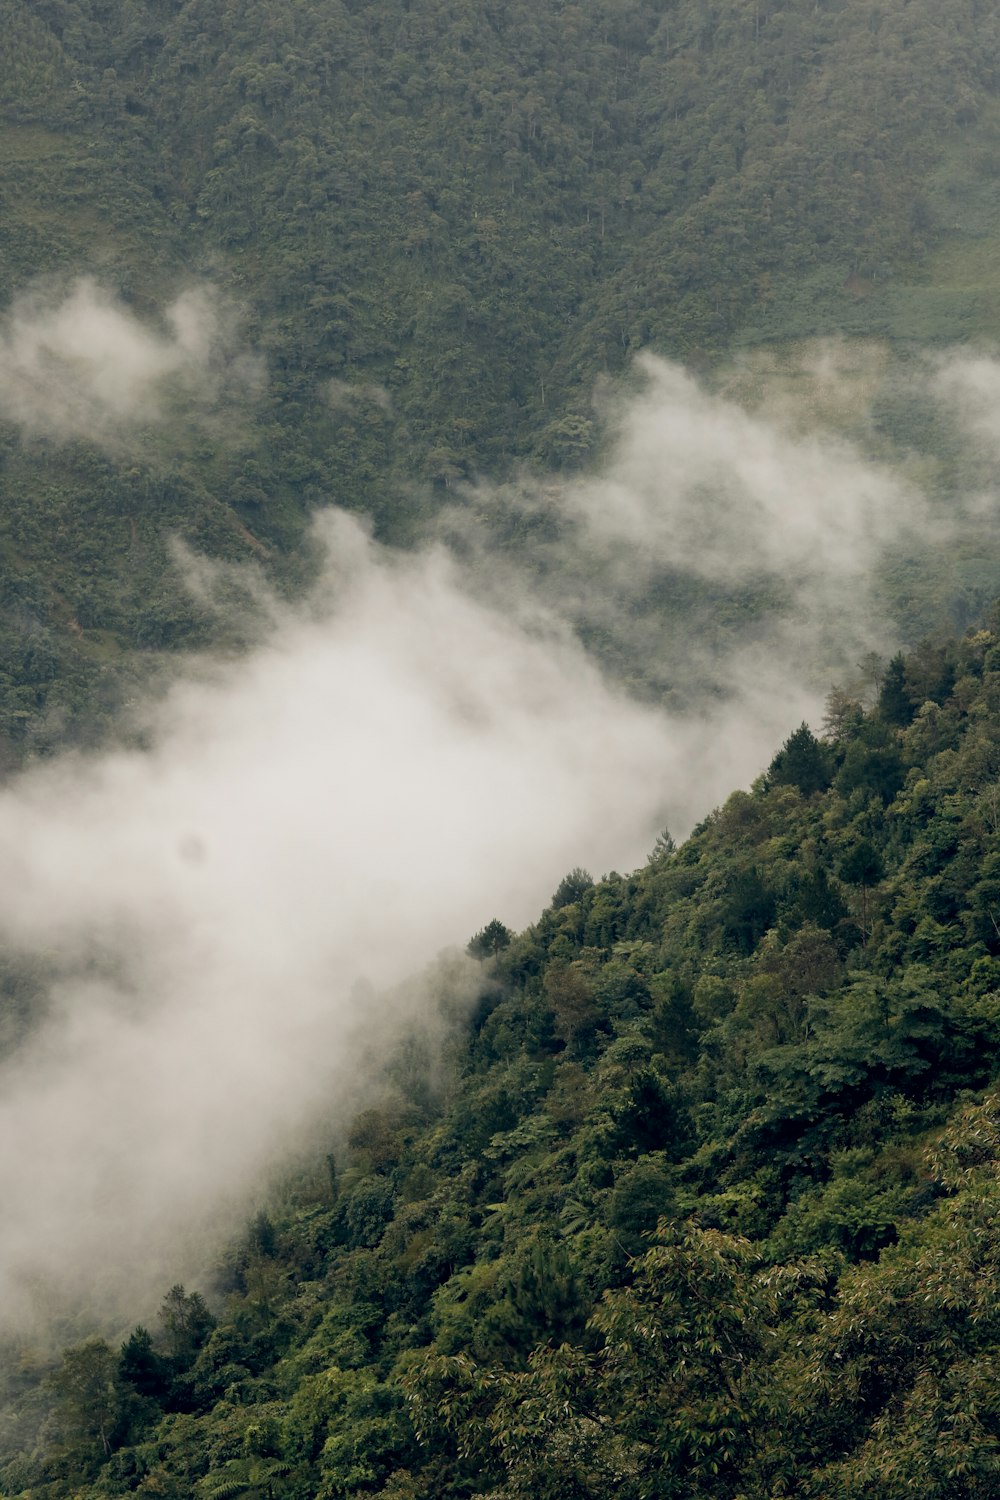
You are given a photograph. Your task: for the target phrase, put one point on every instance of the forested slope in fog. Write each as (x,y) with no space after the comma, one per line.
(652,340)
(700,1202)
(420,235)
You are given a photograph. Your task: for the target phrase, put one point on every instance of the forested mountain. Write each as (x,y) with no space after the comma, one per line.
(704,1203)
(438,224)
(700,1200)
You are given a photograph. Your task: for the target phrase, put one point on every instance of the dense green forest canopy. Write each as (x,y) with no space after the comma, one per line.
(439,224)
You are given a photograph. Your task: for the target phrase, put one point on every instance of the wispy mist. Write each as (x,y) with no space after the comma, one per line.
(77,364)
(426,741)
(697,483)
(398,764)
(729,560)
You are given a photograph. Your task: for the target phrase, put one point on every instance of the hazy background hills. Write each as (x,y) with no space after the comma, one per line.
(412,241)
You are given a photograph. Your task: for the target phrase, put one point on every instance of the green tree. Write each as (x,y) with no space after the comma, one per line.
(490,942)
(895,704)
(862,866)
(186,1322)
(88,1399)
(802,762)
(872,764)
(571,888)
(687,1375)
(140,1366)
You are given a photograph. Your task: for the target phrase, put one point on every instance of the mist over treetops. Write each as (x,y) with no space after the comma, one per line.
(446,446)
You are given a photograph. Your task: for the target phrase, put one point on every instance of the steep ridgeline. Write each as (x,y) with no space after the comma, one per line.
(706,1205)
(439,224)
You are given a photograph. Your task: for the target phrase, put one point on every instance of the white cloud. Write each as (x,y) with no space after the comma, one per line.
(419,746)
(398,764)
(79,365)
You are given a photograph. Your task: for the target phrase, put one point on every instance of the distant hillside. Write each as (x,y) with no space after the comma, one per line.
(441,224)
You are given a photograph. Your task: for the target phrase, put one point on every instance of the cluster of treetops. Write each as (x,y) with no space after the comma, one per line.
(442,221)
(702,1201)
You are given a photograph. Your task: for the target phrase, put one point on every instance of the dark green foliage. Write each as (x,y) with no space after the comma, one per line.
(872,764)
(894,702)
(704,1208)
(862,865)
(491,941)
(540,1292)
(571,888)
(802,762)
(88,1402)
(650,1117)
(643,1194)
(814,898)
(366,1213)
(748,910)
(263,1239)
(142,1367)
(187,1323)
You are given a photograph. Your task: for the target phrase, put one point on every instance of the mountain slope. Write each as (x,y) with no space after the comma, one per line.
(440,226)
(773,1042)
